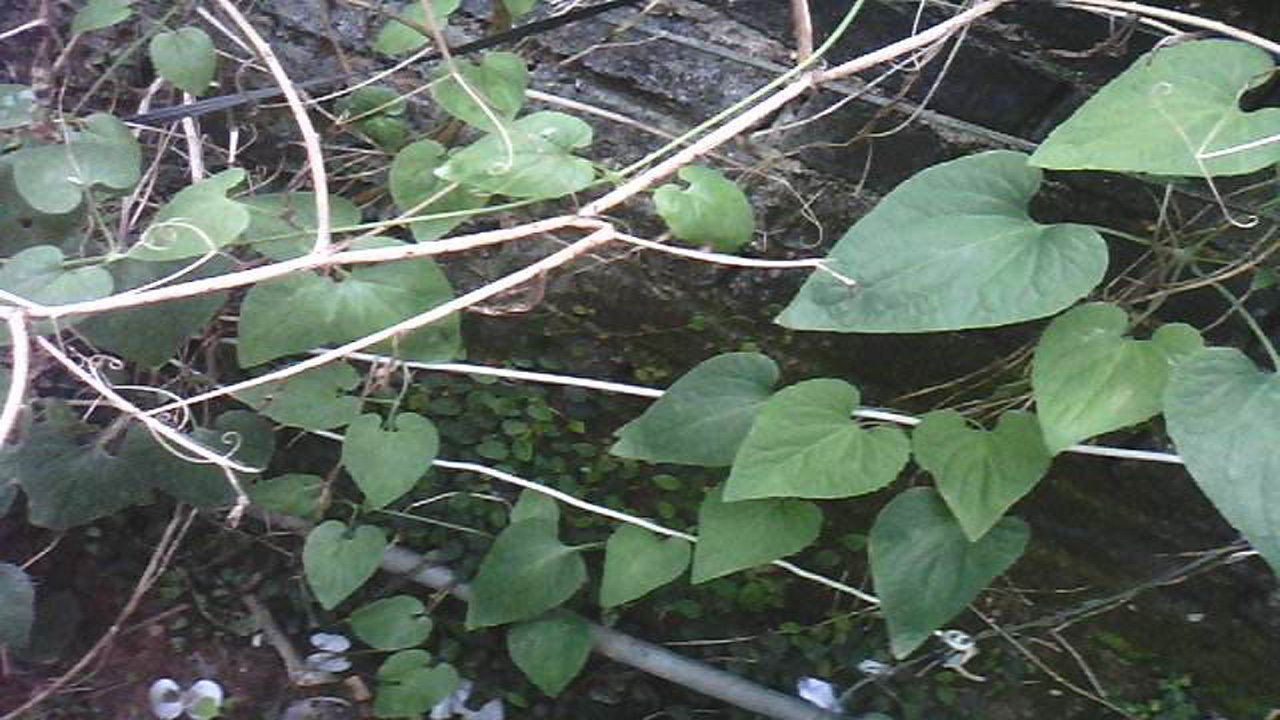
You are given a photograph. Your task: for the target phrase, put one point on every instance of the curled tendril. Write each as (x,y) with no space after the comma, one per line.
(150,242)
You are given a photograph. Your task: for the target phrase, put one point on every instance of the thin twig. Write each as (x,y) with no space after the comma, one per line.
(20,342)
(1179,17)
(802,27)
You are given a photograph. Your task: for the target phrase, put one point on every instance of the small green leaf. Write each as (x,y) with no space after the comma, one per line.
(23,226)
(315,400)
(551,650)
(407,688)
(535,505)
(804,444)
(734,536)
(1173,107)
(712,211)
(981,474)
(16,103)
(926,571)
(52,178)
(413,181)
(99,14)
(197,221)
(36,274)
(704,416)
(952,248)
(292,494)
(500,80)
(397,38)
(1224,417)
(282,226)
(1089,379)
(186,58)
(526,572)
(17,607)
(519,8)
(537,164)
(392,623)
(637,561)
(337,560)
(386,464)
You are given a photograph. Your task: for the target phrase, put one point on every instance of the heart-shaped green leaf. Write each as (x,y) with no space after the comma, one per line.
(282,226)
(415,187)
(185,57)
(804,444)
(499,80)
(302,311)
(392,623)
(1224,417)
(526,572)
(926,571)
(294,494)
(337,560)
(407,688)
(636,561)
(23,226)
(551,650)
(536,164)
(734,536)
(99,14)
(535,505)
(36,274)
(1169,113)
(397,38)
(314,400)
(951,248)
(712,211)
(51,178)
(704,416)
(981,474)
(197,221)
(17,607)
(387,463)
(1089,379)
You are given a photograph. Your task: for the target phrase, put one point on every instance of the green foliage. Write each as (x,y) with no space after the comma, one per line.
(99,14)
(186,58)
(712,211)
(1089,379)
(704,416)
(804,445)
(386,464)
(199,220)
(531,158)
(550,650)
(1169,112)
(734,536)
(415,187)
(295,494)
(637,562)
(1224,417)
(52,178)
(397,38)
(926,570)
(499,81)
(338,559)
(980,473)
(282,225)
(408,688)
(314,400)
(37,275)
(392,623)
(952,248)
(526,572)
(17,607)
(535,506)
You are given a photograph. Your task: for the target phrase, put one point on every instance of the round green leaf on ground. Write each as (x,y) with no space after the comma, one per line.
(407,688)
(551,650)
(337,560)
(185,57)
(199,220)
(538,162)
(386,464)
(500,79)
(392,623)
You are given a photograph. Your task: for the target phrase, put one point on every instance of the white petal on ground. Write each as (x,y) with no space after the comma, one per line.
(491,710)
(166,699)
(327,662)
(330,642)
(818,692)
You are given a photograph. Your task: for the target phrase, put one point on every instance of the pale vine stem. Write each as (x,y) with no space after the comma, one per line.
(310,138)
(802,22)
(20,342)
(1140,9)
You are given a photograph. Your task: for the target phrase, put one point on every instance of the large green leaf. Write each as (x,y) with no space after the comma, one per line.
(292,494)
(981,474)
(51,178)
(407,688)
(951,248)
(397,38)
(337,559)
(551,650)
(637,561)
(282,225)
(734,536)
(926,571)
(303,311)
(804,444)
(1166,112)
(1089,379)
(704,416)
(413,181)
(36,274)
(538,163)
(99,14)
(387,463)
(23,226)
(17,607)
(150,335)
(712,211)
(185,57)
(1224,417)
(196,221)
(243,436)
(526,572)
(315,400)
(500,79)
(392,623)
